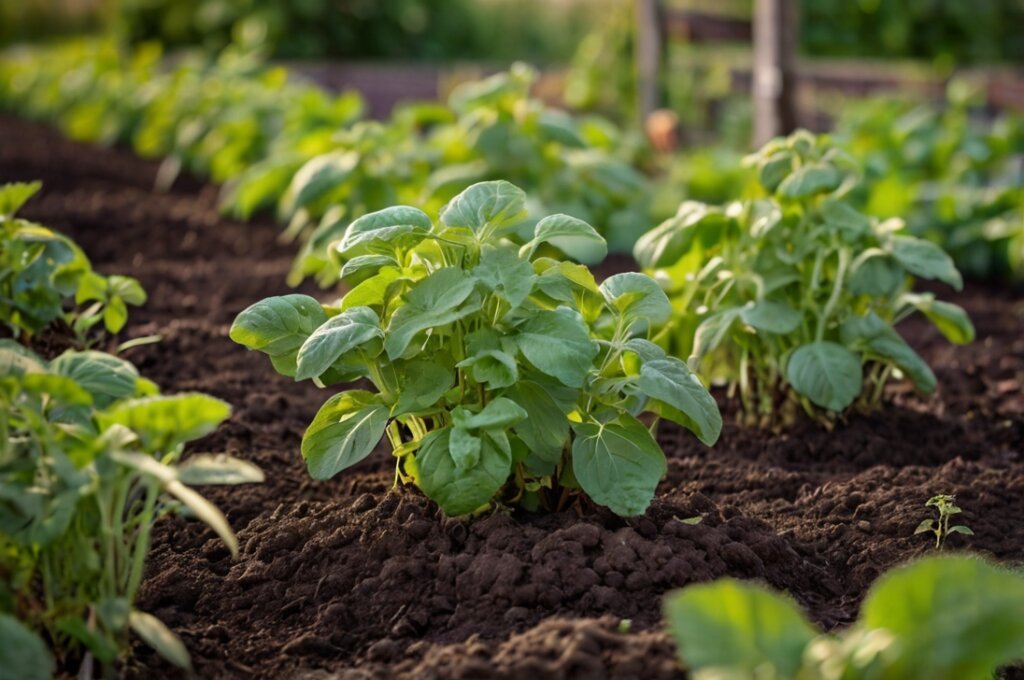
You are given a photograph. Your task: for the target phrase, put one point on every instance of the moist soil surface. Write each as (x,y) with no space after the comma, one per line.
(353,578)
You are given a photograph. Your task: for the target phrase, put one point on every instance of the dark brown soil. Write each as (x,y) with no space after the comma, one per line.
(354,579)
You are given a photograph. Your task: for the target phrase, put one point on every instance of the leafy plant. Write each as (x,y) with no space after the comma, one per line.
(500,375)
(942,618)
(89,462)
(957,180)
(43,271)
(795,295)
(491,129)
(946,507)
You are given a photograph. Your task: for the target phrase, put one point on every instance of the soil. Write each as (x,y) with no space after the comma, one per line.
(352,578)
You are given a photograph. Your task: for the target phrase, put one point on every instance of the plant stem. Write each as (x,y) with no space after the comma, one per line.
(837,289)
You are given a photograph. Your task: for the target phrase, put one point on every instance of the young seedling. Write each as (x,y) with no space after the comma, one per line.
(946,507)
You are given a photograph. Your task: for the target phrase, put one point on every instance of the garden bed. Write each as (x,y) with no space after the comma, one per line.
(353,577)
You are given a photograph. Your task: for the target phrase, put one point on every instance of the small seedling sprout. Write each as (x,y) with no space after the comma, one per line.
(946,506)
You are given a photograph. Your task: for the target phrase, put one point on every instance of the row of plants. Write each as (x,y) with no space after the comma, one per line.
(284,146)
(503,374)
(90,460)
(503,377)
(280,145)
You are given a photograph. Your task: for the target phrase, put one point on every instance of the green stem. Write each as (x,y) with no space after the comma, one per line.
(837,289)
(141,547)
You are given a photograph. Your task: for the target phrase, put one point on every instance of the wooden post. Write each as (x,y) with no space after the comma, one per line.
(648,51)
(774,69)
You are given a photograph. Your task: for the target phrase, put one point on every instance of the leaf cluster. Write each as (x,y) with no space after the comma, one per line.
(290,147)
(956,180)
(795,294)
(500,375)
(89,461)
(491,129)
(44,273)
(941,617)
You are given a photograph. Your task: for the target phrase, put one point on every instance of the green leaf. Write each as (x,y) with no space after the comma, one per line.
(105,377)
(810,180)
(558,343)
(572,236)
(336,337)
(692,406)
(23,654)
(713,331)
(434,301)
(115,315)
(493,368)
(464,449)
(164,422)
(422,384)
(16,359)
(345,431)
(317,178)
(374,291)
(501,270)
(637,297)
(738,629)
(488,208)
(826,373)
(771,317)
(645,349)
(618,464)
(951,320)
(664,245)
(545,429)
(218,469)
(128,289)
(202,509)
(363,267)
(774,169)
(459,492)
(874,272)
(13,195)
(499,413)
(972,611)
(58,388)
(278,325)
(158,636)
(401,226)
(882,339)
(847,219)
(925,259)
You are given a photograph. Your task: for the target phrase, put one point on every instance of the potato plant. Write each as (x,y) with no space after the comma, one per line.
(957,181)
(796,294)
(43,274)
(426,154)
(500,375)
(942,617)
(89,462)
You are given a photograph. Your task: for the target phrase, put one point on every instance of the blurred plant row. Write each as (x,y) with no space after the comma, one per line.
(283,145)
(89,460)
